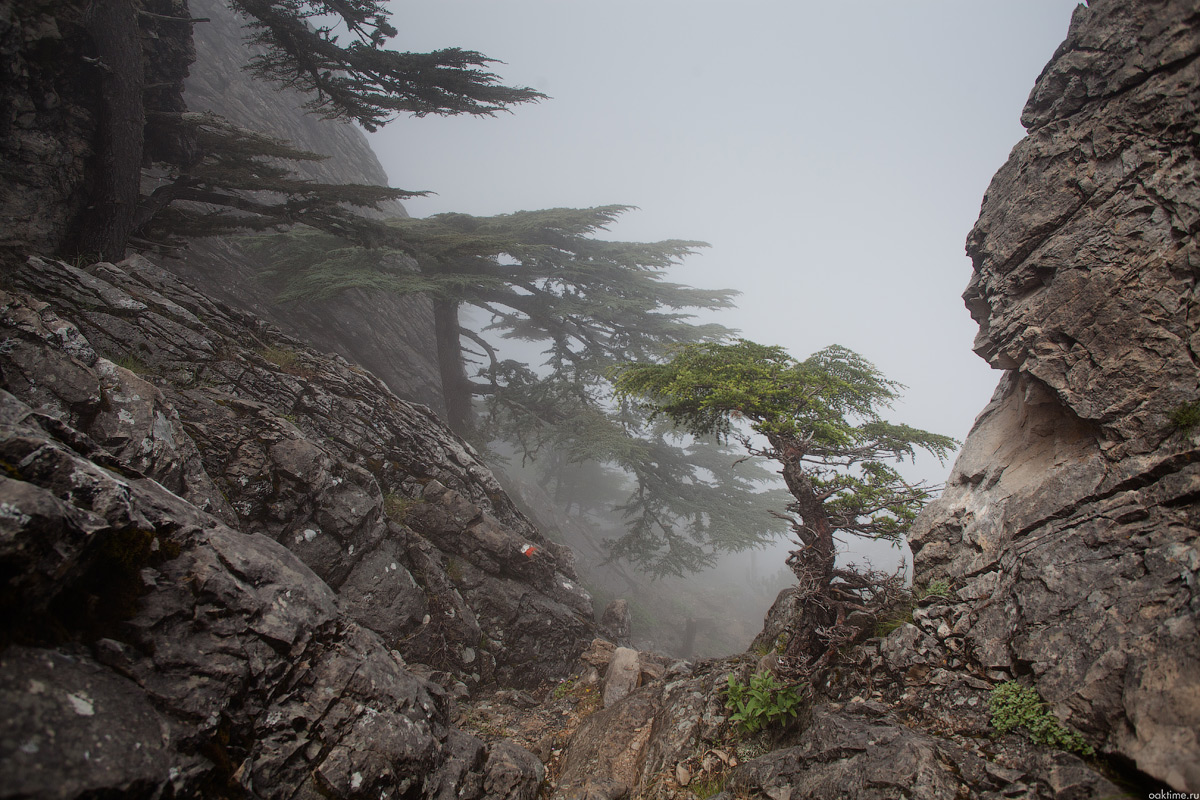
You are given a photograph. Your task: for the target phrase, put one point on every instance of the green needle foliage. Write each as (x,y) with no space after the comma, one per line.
(335,51)
(362,80)
(539,276)
(545,277)
(820,420)
(241,180)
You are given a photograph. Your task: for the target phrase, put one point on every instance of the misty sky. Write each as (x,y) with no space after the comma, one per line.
(834,154)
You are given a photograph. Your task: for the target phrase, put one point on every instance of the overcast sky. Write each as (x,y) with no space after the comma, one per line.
(833,154)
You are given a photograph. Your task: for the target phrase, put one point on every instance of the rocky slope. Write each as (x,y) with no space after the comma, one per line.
(231,561)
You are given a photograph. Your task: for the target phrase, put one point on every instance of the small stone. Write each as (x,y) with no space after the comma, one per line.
(623,675)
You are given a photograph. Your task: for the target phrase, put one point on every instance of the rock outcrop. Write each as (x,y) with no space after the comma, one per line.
(901,716)
(1069,525)
(232,561)
(1065,547)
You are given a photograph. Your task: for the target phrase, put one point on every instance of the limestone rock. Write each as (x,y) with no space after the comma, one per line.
(622,676)
(598,654)
(617,621)
(864,753)
(372,493)
(1069,524)
(172,654)
(73,726)
(603,759)
(181,656)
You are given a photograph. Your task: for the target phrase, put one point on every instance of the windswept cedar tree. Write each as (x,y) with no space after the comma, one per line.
(819,419)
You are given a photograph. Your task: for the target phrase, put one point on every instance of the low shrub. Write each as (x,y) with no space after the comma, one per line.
(1187,416)
(1016,706)
(762,703)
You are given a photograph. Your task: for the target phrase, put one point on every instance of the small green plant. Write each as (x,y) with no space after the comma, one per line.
(131,363)
(563,689)
(709,787)
(396,506)
(586,697)
(935,588)
(454,569)
(1187,416)
(760,704)
(1013,705)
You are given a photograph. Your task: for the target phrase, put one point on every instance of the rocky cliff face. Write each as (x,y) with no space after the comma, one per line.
(1069,526)
(47,118)
(234,564)
(1068,533)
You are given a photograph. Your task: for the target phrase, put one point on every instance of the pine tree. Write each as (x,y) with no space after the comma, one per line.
(541,276)
(363,81)
(239,181)
(544,277)
(819,419)
(302,48)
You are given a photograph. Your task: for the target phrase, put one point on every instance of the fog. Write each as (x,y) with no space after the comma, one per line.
(834,155)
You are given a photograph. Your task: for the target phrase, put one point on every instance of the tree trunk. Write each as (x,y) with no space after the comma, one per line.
(813,564)
(456,388)
(107,223)
(689,638)
(818,532)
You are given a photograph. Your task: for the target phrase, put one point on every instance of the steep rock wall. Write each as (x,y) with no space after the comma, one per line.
(235,566)
(1069,523)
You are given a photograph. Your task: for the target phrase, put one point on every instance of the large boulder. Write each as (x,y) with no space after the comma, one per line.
(228,561)
(151,649)
(1069,523)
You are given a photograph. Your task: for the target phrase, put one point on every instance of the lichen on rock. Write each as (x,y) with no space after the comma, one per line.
(205,542)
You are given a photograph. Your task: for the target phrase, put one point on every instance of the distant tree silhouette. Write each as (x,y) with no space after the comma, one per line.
(208,161)
(544,277)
